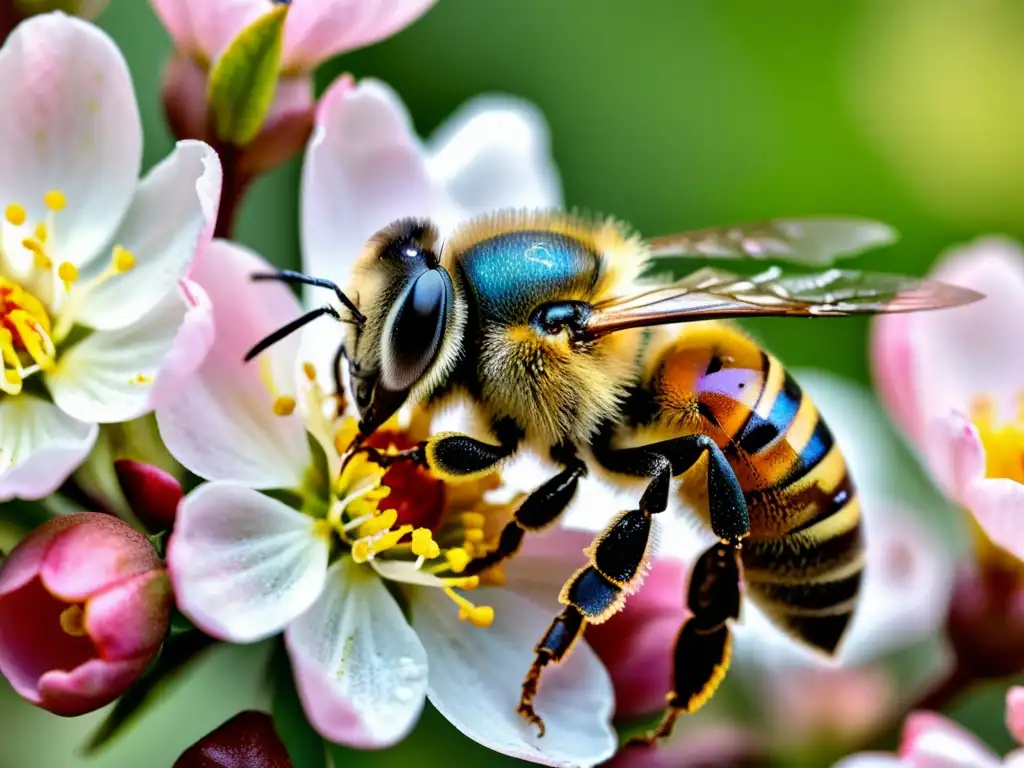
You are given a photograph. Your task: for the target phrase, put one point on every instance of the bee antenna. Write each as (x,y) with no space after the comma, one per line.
(290,328)
(297,278)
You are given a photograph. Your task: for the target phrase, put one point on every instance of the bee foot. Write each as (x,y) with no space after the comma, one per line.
(526,711)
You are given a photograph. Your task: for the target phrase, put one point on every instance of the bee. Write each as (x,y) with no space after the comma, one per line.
(546,323)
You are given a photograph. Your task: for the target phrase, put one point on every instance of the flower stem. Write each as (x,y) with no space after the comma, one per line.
(233,188)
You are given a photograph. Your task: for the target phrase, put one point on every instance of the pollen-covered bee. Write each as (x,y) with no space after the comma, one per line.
(544,322)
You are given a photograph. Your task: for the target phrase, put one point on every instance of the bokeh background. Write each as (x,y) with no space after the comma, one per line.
(672,115)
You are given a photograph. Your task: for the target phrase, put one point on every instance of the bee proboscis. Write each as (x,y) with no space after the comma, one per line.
(545,323)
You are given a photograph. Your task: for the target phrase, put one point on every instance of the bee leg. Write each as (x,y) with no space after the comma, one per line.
(703,647)
(598,591)
(541,508)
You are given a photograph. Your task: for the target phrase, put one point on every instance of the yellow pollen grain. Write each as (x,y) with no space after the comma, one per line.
(15,214)
(141,378)
(423,544)
(55,200)
(475,535)
(310,370)
(458,559)
(473,520)
(123,259)
(41,261)
(72,620)
(67,272)
(41,231)
(284,405)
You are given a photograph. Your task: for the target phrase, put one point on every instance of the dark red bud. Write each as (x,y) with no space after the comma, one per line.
(152,493)
(247,740)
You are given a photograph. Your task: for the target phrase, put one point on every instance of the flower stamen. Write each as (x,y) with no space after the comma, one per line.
(72,621)
(481,616)
(1003,440)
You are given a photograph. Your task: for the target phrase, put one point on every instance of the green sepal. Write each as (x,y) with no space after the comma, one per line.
(177,655)
(305,747)
(244,79)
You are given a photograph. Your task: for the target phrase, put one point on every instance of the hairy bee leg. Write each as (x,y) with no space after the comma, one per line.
(541,508)
(703,647)
(598,591)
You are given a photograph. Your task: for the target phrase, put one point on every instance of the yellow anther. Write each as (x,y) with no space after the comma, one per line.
(423,544)
(32,244)
(72,620)
(475,535)
(41,261)
(465,582)
(67,272)
(310,370)
(122,259)
(458,559)
(381,522)
(473,520)
(493,577)
(482,616)
(15,214)
(41,232)
(364,549)
(141,378)
(55,200)
(284,405)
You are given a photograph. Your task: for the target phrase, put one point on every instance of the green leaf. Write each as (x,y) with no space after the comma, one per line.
(244,79)
(305,747)
(178,653)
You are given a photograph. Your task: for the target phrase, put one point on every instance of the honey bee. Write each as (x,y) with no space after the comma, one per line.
(545,323)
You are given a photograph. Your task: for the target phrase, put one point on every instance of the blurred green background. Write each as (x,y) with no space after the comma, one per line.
(672,115)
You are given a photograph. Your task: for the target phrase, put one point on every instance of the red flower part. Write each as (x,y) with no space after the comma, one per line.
(247,740)
(84,607)
(152,493)
(418,498)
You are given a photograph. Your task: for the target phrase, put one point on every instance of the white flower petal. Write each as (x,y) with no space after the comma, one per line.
(495,152)
(476,674)
(170,219)
(364,168)
(243,564)
(221,424)
(114,376)
(872,760)
(359,667)
(40,446)
(69,122)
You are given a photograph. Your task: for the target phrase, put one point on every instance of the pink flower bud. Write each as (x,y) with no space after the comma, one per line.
(247,740)
(84,607)
(636,645)
(152,493)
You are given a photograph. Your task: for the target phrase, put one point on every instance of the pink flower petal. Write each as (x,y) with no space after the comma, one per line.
(1015,712)
(319,29)
(968,351)
(221,425)
(365,167)
(32,641)
(894,367)
(637,644)
(99,552)
(205,27)
(998,506)
(955,453)
(130,619)
(89,686)
(933,741)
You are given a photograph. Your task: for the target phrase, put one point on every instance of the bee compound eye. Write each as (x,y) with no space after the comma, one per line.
(416,329)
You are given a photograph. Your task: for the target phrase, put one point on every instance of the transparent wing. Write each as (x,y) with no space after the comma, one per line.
(711,294)
(812,241)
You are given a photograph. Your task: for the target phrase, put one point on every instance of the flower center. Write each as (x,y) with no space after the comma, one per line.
(39,299)
(1003,441)
(418,537)
(72,620)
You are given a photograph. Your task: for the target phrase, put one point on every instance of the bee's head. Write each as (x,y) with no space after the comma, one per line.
(410,337)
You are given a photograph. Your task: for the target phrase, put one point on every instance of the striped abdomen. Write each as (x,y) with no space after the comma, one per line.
(804,557)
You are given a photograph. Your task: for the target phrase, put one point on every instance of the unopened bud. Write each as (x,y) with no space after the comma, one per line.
(247,740)
(986,620)
(152,493)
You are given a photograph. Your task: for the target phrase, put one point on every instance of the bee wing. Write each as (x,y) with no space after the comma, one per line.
(711,294)
(812,241)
